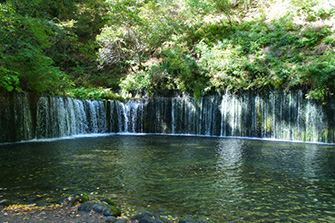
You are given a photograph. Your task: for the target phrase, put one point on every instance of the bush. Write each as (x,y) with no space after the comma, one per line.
(137,83)
(9,80)
(94,93)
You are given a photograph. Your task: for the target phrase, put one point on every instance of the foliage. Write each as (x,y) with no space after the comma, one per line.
(94,93)
(321,76)
(135,30)
(9,80)
(180,71)
(137,83)
(262,56)
(22,58)
(43,40)
(140,47)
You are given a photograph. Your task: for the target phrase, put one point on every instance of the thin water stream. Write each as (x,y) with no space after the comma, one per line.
(224,179)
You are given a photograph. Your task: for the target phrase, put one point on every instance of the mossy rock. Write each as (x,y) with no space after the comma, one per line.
(100,207)
(109,201)
(74,199)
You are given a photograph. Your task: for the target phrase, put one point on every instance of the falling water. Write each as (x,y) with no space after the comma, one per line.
(282,116)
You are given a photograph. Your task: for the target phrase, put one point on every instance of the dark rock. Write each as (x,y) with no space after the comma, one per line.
(5,202)
(72,200)
(147,214)
(100,207)
(110,219)
(123,220)
(143,215)
(146,220)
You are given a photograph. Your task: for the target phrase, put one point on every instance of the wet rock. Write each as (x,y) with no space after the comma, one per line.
(123,220)
(100,207)
(74,199)
(110,219)
(109,201)
(5,202)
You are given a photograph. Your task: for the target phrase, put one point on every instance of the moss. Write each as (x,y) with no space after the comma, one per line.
(100,207)
(74,199)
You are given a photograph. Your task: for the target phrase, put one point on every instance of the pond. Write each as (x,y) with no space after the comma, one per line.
(223,178)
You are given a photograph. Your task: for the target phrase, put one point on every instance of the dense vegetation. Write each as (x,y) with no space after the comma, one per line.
(94,48)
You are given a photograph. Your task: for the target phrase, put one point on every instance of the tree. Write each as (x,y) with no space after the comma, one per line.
(22,58)
(135,30)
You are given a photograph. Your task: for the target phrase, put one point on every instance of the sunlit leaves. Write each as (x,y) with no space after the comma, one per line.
(24,208)
(241,44)
(135,30)
(9,79)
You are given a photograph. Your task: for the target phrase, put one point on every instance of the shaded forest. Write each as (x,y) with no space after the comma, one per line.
(108,49)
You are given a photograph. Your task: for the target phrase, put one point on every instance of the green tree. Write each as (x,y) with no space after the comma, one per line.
(23,41)
(135,30)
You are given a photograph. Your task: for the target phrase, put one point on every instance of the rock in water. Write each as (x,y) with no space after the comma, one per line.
(193,219)
(72,200)
(147,217)
(100,207)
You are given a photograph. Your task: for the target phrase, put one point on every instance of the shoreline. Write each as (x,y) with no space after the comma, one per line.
(55,213)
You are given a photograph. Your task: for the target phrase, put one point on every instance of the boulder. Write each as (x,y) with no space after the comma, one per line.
(74,199)
(100,207)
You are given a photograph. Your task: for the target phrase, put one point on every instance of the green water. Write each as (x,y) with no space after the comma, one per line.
(224,179)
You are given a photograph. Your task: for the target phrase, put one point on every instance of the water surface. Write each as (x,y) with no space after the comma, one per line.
(224,179)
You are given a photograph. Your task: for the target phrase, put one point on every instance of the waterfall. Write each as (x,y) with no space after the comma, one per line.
(59,117)
(129,116)
(277,115)
(22,110)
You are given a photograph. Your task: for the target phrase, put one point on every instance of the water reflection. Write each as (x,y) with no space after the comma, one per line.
(226,179)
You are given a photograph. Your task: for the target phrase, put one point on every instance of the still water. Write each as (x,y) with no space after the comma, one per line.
(225,179)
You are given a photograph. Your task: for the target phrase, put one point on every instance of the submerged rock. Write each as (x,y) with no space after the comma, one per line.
(193,219)
(147,217)
(100,207)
